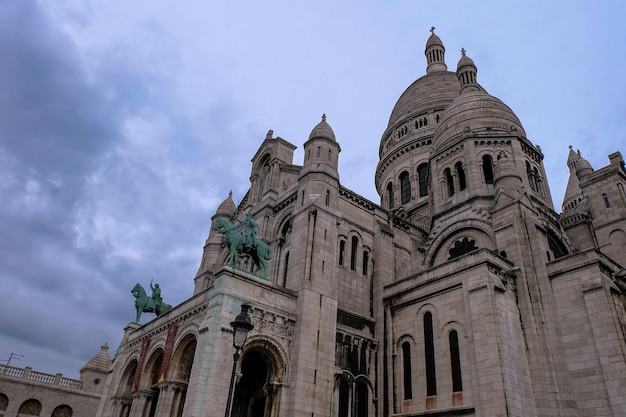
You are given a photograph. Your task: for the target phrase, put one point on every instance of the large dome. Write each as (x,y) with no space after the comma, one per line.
(475,111)
(433,90)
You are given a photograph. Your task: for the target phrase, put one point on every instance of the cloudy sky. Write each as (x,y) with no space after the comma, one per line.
(124,124)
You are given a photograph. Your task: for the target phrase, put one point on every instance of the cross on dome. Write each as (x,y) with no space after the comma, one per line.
(432,30)
(463,51)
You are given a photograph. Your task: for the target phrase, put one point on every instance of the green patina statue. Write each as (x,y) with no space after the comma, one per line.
(245,242)
(152,304)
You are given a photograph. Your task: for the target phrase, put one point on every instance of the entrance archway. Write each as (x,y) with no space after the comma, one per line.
(254,392)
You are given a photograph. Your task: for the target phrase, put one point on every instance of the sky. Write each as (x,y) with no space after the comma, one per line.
(123,125)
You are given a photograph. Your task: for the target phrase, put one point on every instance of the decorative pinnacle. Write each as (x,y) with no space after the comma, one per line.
(230,194)
(463,51)
(432,30)
(324,117)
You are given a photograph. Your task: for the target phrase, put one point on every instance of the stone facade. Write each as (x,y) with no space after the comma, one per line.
(462,293)
(26,392)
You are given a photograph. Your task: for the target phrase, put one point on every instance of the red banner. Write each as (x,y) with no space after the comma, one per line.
(169,348)
(142,357)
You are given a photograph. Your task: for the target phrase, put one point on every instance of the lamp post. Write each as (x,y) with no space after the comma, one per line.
(241,327)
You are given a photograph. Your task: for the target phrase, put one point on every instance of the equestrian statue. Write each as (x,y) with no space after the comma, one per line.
(152,304)
(245,242)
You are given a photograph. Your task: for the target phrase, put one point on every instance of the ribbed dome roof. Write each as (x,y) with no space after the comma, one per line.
(478,111)
(465,61)
(227,208)
(322,130)
(435,89)
(433,40)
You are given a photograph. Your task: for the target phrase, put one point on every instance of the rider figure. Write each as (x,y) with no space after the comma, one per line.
(249,233)
(156,296)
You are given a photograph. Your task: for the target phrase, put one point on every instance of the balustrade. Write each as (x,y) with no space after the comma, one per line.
(41,377)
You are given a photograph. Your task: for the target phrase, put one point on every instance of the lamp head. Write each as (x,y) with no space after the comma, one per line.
(241,326)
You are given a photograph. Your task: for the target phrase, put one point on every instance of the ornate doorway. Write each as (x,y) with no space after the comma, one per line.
(254,392)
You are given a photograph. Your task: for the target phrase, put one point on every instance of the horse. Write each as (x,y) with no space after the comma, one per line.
(260,252)
(145,304)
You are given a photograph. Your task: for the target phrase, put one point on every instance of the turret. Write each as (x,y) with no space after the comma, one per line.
(213,247)
(435,53)
(506,175)
(93,374)
(466,73)
(321,151)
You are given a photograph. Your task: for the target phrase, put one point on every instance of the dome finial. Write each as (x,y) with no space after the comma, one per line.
(324,117)
(463,51)
(432,30)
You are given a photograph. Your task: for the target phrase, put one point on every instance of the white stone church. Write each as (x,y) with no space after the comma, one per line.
(462,292)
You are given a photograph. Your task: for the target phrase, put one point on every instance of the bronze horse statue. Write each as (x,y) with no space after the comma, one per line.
(145,304)
(245,242)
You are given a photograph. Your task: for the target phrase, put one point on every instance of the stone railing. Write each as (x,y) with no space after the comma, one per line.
(28,374)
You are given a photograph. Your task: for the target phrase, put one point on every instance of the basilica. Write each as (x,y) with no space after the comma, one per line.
(461,292)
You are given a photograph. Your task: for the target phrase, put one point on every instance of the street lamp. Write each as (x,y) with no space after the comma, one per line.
(241,327)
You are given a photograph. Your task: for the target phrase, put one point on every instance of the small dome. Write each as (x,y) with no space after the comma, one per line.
(475,111)
(227,208)
(465,61)
(434,40)
(322,131)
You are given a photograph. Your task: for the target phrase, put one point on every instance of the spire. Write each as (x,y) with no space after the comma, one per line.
(466,73)
(435,53)
(579,170)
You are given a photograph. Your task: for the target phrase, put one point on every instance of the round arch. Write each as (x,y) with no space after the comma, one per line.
(31,407)
(62,410)
(182,359)
(480,230)
(264,371)
(125,386)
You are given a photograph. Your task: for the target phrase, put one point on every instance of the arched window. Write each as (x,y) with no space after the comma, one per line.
(63,411)
(361,400)
(342,251)
(531,176)
(405,188)
(353,248)
(390,195)
(455,362)
(406,366)
(429,355)
(366,259)
(30,407)
(449,181)
(327,197)
(285,269)
(461,174)
(344,398)
(422,176)
(488,169)
(606,200)
(538,181)
(319,151)
(4,402)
